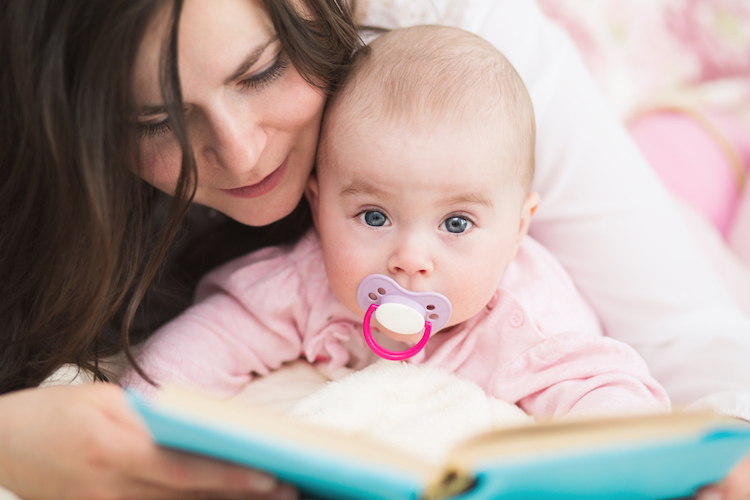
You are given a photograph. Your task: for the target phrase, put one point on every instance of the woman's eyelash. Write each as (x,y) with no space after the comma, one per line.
(154,129)
(261,80)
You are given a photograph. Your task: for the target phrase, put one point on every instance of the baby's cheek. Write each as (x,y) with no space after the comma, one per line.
(465,309)
(344,277)
(472,296)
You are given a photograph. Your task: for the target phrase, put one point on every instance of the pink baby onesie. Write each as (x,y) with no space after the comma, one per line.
(536,344)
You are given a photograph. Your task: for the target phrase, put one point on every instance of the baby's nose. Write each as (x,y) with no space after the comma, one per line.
(411,257)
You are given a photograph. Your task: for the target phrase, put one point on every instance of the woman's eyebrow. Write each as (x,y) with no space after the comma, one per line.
(251,59)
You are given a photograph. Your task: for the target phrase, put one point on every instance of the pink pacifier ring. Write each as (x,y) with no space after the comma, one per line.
(386,353)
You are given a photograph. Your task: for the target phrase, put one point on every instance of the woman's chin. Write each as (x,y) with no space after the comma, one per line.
(250,215)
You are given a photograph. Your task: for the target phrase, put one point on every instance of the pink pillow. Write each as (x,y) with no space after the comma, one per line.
(700,158)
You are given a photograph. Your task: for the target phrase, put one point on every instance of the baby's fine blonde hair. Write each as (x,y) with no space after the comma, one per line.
(426,75)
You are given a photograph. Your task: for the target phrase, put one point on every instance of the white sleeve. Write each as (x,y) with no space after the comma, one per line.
(613,226)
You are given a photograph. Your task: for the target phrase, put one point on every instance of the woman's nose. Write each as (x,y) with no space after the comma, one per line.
(411,256)
(235,143)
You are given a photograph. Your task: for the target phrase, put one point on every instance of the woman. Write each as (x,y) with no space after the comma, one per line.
(69,133)
(224,111)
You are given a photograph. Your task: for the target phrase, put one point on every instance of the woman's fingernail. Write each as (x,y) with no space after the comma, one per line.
(263,483)
(709,493)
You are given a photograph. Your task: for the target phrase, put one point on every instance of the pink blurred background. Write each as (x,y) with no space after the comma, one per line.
(678,73)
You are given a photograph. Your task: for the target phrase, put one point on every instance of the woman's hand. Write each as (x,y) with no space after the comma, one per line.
(85,442)
(736,486)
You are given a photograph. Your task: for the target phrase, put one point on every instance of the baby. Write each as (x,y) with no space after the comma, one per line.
(423,175)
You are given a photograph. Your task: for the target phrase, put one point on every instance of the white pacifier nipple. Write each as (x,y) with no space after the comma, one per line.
(400,318)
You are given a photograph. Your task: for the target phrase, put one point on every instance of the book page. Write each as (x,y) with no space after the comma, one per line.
(241,416)
(553,436)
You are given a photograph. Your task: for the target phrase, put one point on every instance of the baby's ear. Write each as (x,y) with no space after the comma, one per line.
(530,204)
(311,192)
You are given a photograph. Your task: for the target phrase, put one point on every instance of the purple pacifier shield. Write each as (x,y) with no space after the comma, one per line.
(379,289)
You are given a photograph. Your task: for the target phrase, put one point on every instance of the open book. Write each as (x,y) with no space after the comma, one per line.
(645,457)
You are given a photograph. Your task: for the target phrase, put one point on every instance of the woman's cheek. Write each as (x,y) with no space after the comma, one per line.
(160,166)
(303,103)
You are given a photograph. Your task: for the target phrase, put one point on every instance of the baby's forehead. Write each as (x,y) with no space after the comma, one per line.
(361,116)
(413,110)
(458,154)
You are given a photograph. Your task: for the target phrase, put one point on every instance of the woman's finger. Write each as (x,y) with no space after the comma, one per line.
(181,471)
(154,492)
(149,464)
(736,486)
(147,491)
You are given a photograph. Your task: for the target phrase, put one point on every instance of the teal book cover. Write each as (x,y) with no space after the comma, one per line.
(641,457)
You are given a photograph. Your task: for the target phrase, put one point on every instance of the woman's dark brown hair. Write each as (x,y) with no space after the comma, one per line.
(79,239)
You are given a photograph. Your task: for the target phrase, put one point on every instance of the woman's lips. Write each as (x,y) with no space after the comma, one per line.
(260,188)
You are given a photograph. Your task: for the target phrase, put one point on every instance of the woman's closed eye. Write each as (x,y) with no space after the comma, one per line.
(151,130)
(457,224)
(267,75)
(255,83)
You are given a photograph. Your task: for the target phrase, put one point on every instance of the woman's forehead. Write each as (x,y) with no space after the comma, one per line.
(217,39)
(211,27)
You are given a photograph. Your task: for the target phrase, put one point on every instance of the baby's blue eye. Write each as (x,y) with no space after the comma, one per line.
(456,224)
(375,218)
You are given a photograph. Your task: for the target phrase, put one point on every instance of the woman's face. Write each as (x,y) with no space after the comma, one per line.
(253,121)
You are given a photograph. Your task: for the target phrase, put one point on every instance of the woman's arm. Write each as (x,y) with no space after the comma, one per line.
(90,444)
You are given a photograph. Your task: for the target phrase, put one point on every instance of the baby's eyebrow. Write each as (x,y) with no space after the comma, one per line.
(360,187)
(470,198)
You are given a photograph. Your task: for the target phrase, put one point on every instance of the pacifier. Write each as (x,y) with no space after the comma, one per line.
(400,311)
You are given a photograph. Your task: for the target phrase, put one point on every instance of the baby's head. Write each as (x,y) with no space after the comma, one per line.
(424,168)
